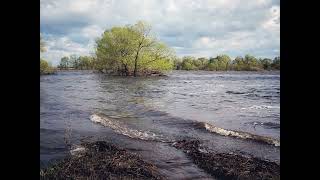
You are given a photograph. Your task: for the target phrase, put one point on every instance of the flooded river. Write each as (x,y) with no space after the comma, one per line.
(227,111)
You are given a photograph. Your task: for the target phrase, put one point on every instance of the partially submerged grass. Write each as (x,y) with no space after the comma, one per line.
(101,160)
(229,166)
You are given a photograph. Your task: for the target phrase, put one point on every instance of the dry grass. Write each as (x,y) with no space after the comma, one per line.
(101,161)
(229,166)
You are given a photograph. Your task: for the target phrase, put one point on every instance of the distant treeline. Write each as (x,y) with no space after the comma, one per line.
(224,63)
(219,63)
(76,62)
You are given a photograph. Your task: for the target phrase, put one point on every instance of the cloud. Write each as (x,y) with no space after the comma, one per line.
(64,46)
(191,27)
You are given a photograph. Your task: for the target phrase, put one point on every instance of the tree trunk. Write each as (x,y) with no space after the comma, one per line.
(126,71)
(136,64)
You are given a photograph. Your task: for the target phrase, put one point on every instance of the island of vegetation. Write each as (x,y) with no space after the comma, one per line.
(133,50)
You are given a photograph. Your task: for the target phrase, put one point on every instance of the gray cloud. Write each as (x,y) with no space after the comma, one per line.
(191,27)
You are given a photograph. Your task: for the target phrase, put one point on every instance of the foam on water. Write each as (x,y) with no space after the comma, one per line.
(263,107)
(77,150)
(239,134)
(120,128)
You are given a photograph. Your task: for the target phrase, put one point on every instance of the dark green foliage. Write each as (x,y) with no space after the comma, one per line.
(224,63)
(64,63)
(177,63)
(75,62)
(266,63)
(188,63)
(276,63)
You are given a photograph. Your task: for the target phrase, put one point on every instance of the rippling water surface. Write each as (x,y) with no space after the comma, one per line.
(145,115)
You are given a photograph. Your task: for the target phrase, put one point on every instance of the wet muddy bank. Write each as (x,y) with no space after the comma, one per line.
(101,160)
(229,165)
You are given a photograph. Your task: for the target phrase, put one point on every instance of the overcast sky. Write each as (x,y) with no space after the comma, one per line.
(202,28)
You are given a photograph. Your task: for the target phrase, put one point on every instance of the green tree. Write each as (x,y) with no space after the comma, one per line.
(238,63)
(177,63)
(251,63)
(203,63)
(266,63)
(132,49)
(213,64)
(85,62)
(276,63)
(64,63)
(188,63)
(74,61)
(223,62)
(197,64)
(45,67)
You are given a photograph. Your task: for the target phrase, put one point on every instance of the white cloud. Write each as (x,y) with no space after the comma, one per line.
(59,47)
(92,31)
(192,27)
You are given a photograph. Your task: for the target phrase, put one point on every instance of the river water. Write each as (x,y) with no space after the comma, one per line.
(146,115)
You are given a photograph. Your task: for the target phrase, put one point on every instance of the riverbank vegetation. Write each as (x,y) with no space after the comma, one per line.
(75,62)
(46,67)
(225,63)
(219,63)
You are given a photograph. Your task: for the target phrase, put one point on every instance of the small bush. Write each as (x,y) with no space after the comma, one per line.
(46,68)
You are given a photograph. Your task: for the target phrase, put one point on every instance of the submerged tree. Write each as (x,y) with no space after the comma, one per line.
(132,50)
(177,63)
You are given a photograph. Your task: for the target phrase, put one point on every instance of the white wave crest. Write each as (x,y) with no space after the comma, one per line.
(120,128)
(262,107)
(77,150)
(243,135)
